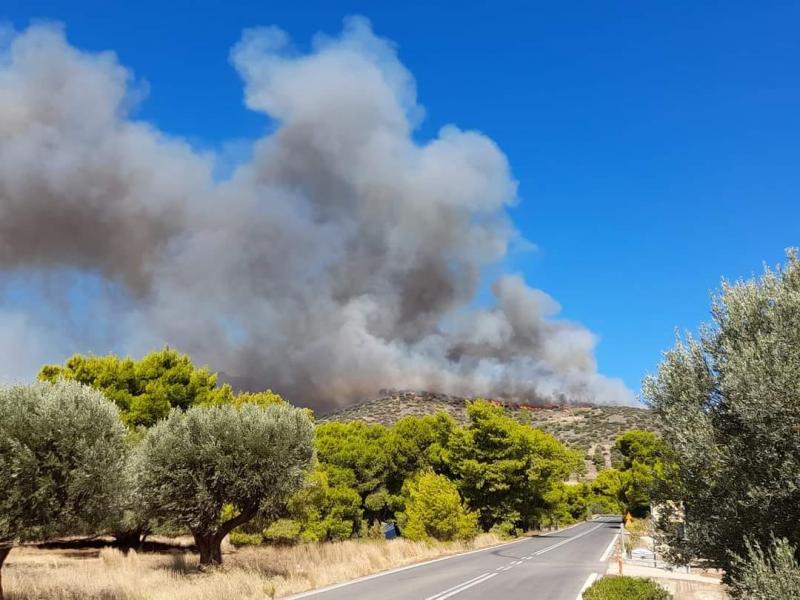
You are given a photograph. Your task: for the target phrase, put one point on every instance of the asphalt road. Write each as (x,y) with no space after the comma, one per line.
(555,566)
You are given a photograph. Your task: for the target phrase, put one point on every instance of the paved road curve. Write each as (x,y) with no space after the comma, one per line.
(550,567)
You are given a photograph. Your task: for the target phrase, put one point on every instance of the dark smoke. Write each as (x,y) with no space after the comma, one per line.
(340,259)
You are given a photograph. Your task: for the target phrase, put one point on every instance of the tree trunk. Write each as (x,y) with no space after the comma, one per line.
(209,543)
(131,539)
(210,547)
(128,540)
(3,553)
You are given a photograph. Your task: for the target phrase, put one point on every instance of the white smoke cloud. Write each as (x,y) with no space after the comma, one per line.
(341,258)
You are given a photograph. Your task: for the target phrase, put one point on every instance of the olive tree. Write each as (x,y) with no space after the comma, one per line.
(62,453)
(189,466)
(730,409)
(766,574)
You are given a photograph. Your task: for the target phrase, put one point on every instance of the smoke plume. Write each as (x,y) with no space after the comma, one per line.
(341,258)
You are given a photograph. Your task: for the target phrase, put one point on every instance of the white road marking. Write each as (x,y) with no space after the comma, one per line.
(566,541)
(517,562)
(608,550)
(335,586)
(589,581)
(460,588)
(450,589)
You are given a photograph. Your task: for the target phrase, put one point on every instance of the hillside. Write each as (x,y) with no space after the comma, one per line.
(591,429)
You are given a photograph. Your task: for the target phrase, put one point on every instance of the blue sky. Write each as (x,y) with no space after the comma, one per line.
(657,145)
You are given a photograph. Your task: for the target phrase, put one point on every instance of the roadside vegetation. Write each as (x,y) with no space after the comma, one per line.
(251,573)
(729,405)
(131,449)
(625,588)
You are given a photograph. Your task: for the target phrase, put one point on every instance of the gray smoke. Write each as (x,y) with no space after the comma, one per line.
(342,258)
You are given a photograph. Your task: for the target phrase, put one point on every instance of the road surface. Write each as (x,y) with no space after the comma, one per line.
(555,566)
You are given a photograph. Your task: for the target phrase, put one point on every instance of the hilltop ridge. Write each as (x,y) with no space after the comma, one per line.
(582,426)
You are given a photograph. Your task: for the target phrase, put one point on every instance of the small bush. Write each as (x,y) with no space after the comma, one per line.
(637,529)
(505,530)
(766,575)
(375,531)
(283,531)
(239,538)
(625,588)
(434,510)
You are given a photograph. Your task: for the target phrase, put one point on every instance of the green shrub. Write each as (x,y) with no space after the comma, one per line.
(434,510)
(625,588)
(766,575)
(283,531)
(239,538)
(599,460)
(375,531)
(324,512)
(505,530)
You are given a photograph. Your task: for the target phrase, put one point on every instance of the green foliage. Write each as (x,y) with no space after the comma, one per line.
(419,443)
(604,495)
(504,469)
(644,447)
(62,456)
(766,575)
(362,457)
(240,538)
(565,504)
(144,390)
(643,459)
(262,399)
(360,452)
(283,531)
(433,509)
(190,465)
(598,459)
(625,588)
(323,512)
(504,529)
(729,407)
(638,482)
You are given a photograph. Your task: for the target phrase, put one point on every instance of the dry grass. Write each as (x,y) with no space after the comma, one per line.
(258,572)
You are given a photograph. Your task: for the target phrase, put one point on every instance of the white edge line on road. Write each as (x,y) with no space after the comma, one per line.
(566,541)
(608,550)
(589,581)
(422,564)
(435,596)
(464,587)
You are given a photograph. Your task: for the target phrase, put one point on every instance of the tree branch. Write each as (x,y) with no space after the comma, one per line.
(243,517)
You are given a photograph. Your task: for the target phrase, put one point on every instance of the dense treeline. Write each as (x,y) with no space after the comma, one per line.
(510,475)
(502,471)
(103,444)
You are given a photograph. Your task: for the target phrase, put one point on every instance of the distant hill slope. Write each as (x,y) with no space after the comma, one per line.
(583,427)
